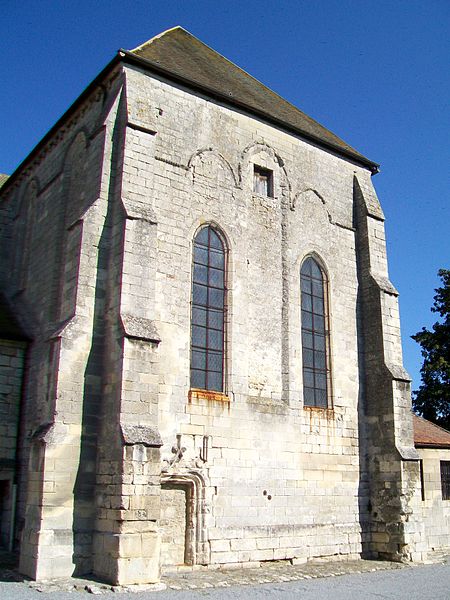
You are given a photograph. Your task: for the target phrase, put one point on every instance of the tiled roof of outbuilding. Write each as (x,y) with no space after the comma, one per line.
(429,435)
(179,52)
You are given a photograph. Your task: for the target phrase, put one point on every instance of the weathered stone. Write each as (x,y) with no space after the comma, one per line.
(141,434)
(122,451)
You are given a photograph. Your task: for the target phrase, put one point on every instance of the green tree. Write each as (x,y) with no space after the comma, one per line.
(432,399)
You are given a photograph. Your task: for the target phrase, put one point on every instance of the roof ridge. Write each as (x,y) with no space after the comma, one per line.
(178,53)
(180,28)
(184,30)
(160,35)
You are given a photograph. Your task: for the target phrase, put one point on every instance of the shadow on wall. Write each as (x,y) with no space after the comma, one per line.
(84,515)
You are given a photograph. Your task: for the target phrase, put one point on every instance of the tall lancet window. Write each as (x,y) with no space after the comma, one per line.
(208,310)
(315,335)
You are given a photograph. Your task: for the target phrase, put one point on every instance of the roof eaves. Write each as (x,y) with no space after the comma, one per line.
(131,58)
(128,57)
(431,445)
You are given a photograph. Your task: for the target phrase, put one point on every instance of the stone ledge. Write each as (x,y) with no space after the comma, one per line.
(198,394)
(138,211)
(147,435)
(408,453)
(140,328)
(384,284)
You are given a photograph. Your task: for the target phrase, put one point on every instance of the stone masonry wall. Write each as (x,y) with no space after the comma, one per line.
(280,481)
(390,461)
(11,372)
(57,215)
(104,224)
(435,510)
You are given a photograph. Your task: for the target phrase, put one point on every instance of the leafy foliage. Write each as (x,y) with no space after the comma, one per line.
(432,399)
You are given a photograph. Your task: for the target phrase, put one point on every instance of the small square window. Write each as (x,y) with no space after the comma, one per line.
(445,479)
(262,181)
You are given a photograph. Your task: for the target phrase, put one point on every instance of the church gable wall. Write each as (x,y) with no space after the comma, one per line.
(105,224)
(281,481)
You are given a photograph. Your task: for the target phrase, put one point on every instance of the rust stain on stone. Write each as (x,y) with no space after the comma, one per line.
(197,394)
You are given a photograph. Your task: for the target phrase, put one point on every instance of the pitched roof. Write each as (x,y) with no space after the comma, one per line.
(3,179)
(178,52)
(429,435)
(178,55)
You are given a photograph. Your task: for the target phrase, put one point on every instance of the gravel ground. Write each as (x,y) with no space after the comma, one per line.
(345,579)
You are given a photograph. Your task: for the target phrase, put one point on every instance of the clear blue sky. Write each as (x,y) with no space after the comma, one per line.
(376,73)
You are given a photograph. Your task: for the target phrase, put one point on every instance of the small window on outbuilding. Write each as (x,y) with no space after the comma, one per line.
(445,479)
(262,181)
(422,481)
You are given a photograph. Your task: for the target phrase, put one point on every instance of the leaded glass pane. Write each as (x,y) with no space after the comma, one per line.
(198,379)
(308,357)
(215,339)
(216,278)
(215,381)
(199,315)
(200,255)
(208,311)
(319,323)
(307,302)
(202,236)
(215,319)
(318,305)
(308,378)
(216,259)
(198,336)
(198,358)
(319,360)
(307,339)
(307,322)
(313,334)
(321,381)
(214,361)
(215,297)
(306,267)
(315,270)
(201,274)
(321,398)
(317,288)
(305,285)
(319,342)
(199,294)
(214,240)
(308,396)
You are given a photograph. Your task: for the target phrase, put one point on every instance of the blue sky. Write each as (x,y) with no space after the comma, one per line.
(376,73)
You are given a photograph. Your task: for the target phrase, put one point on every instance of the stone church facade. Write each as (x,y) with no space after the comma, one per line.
(199,336)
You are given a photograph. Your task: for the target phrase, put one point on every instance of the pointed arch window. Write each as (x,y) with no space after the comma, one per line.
(315,335)
(208,310)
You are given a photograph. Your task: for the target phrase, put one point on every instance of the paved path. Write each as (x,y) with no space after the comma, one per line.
(349,580)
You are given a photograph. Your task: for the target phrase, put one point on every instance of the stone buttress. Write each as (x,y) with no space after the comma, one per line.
(387,433)
(126,540)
